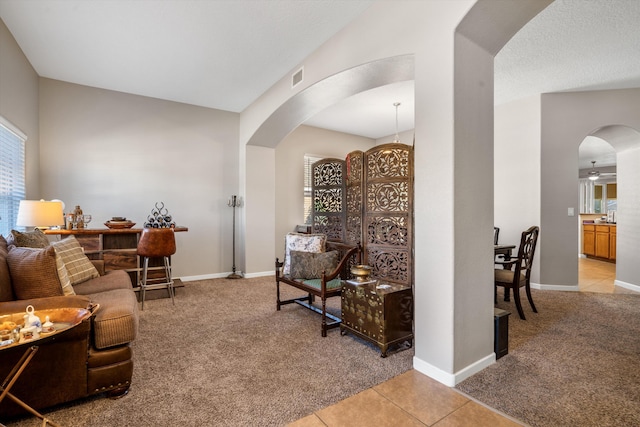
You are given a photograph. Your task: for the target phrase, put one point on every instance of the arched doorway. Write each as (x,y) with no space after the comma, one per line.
(453,47)
(597,162)
(625,142)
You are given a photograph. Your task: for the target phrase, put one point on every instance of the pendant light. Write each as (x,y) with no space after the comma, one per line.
(593,173)
(397,138)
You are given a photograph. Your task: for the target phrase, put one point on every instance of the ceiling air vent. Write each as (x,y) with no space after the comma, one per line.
(296,78)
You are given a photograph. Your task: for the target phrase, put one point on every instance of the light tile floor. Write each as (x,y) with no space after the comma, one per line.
(414,399)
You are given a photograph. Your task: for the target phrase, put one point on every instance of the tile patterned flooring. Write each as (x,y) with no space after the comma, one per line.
(413,399)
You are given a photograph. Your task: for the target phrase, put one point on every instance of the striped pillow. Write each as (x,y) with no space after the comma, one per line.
(79,267)
(65,282)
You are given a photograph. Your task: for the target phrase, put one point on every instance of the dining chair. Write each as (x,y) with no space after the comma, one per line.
(517,273)
(156,243)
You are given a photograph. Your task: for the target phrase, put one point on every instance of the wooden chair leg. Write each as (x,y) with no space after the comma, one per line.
(324,317)
(533,307)
(277,295)
(516,298)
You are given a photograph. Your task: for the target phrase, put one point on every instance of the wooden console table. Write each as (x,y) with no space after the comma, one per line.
(381,313)
(116,247)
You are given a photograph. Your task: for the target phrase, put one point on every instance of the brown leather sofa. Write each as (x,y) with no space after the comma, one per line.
(94,357)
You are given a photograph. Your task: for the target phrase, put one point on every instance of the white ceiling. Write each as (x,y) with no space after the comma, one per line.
(224,54)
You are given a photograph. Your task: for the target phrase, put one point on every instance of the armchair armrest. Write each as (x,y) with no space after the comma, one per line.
(355,250)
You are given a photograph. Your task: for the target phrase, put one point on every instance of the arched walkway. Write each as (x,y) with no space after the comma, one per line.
(451,47)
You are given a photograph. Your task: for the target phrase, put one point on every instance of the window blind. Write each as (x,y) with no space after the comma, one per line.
(308,177)
(12,174)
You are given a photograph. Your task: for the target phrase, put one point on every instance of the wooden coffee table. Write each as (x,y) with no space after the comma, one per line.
(64,319)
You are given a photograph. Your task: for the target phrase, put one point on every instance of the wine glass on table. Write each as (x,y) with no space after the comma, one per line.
(87,220)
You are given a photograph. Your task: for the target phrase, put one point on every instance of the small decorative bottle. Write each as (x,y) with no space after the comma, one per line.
(77,213)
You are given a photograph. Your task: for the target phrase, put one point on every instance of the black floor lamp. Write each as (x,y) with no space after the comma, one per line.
(234,202)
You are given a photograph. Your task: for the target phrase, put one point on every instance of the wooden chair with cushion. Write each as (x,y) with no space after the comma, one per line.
(517,273)
(317,268)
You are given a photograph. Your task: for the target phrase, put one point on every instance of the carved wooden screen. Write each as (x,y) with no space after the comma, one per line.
(328,213)
(388,212)
(354,190)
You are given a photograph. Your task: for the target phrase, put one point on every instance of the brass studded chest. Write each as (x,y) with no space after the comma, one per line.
(381,313)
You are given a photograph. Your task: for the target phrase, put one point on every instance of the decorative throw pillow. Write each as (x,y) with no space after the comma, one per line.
(28,239)
(301,242)
(310,265)
(34,272)
(79,267)
(63,276)
(6,291)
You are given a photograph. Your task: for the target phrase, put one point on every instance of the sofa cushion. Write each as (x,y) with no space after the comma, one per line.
(79,267)
(301,242)
(6,290)
(310,265)
(114,279)
(28,239)
(34,273)
(116,320)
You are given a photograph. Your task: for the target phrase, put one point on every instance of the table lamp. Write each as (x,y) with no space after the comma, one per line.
(39,214)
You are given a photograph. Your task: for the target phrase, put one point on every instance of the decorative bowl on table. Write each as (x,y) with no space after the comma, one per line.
(361,272)
(119,222)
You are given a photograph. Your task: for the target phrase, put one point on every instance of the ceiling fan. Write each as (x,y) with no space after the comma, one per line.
(594,174)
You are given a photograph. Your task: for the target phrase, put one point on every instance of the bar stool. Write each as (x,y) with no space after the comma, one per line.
(156,243)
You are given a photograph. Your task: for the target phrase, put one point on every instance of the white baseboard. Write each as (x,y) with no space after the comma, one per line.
(450,379)
(204,277)
(260,274)
(568,288)
(626,285)
(223,275)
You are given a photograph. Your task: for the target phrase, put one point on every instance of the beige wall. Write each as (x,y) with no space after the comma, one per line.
(517,171)
(19,103)
(117,154)
(566,119)
(290,167)
(260,209)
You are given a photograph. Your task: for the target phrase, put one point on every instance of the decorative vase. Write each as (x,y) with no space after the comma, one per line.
(361,272)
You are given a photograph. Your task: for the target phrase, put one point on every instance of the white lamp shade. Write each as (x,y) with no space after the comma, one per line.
(39,213)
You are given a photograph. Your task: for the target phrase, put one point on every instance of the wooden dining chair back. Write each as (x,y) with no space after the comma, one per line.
(518,271)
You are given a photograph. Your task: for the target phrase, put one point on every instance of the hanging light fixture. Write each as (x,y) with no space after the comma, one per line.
(397,138)
(593,173)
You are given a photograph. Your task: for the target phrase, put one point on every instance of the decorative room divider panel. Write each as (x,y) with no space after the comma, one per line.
(388,212)
(328,214)
(373,206)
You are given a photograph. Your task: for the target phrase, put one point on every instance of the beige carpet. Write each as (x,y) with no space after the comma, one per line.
(575,363)
(223,356)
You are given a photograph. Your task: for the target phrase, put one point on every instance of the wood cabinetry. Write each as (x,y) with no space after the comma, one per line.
(116,247)
(612,242)
(589,240)
(599,241)
(602,241)
(379,313)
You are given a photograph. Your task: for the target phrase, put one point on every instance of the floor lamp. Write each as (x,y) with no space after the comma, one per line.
(234,202)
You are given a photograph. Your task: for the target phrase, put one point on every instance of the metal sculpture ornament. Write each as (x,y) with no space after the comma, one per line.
(159,217)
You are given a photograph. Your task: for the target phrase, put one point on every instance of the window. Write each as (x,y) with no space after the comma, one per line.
(12,174)
(308,176)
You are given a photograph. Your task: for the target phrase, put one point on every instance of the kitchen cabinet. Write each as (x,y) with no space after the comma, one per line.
(599,241)
(589,239)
